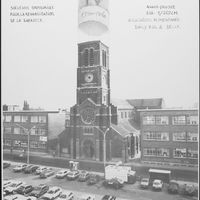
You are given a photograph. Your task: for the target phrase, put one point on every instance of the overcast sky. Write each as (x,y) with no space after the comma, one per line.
(40,59)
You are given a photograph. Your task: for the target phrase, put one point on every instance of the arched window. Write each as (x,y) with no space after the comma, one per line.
(91,57)
(86,57)
(104,58)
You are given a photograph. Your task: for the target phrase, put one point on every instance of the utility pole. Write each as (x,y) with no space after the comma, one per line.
(27,131)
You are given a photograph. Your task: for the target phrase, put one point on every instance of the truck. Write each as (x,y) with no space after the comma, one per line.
(122,173)
(164,175)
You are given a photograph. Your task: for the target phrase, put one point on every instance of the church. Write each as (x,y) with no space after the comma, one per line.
(100,130)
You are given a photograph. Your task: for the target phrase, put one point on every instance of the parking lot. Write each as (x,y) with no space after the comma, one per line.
(129,191)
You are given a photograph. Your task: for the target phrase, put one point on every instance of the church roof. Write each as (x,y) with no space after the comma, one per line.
(121,104)
(155,103)
(124,128)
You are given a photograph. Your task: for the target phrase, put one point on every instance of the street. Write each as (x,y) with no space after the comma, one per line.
(129,191)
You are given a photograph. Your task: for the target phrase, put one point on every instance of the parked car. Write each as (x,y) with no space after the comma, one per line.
(144,183)
(13,186)
(47,173)
(62,173)
(15,197)
(93,179)
(108,197)
(6,165)
(173,187)
(66,196)
(39,190)
(31,198)
(157,184)
(83,176)
(53,193)
(87,197)
(24,189)
(30,169)
(72,175)
(40,170)
(7,183)
(189,190)
(19,168)
(115,183)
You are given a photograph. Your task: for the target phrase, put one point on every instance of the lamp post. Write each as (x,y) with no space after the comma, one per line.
(28,133)
(104,144)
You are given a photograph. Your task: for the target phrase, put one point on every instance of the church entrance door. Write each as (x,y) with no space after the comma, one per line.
(88,149)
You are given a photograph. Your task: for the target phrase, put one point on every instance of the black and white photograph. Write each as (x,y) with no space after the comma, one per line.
(100,100)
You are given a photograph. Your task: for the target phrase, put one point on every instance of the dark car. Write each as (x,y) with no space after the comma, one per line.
(93,179)
(6,165)
(173,187)
(114,183)
(189,189)
(47,173)
(24,189)
(30,169)
(83,176)
(39,190)
(108,197)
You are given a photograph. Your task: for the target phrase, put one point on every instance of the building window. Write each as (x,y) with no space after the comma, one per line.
(178,120)
(148,120)
(192,154)
(7,143)
(86,57)
(42,119)
(156,152)
(125,114)
(41,145)
(33,131)
(17,118)
(33,144)
(162,120)
(122,115)
(17,130)
(24,144)
(7,130)
(179,137)
(24,118)
(180,153)
(104,58)
(192,137)
(17,143)
(41,131)
(8,118)
(91,57)
(88,130)
(34,119)
(158,136)
(193,120)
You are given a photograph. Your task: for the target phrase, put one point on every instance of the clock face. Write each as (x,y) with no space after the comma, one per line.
(88,115)
(89,77)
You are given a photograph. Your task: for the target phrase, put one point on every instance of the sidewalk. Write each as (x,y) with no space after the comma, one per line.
(135,165)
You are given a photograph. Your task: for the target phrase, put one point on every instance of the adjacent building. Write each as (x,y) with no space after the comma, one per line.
(43,126)
(169,135)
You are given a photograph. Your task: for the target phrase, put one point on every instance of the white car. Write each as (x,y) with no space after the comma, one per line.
(7,183)
(15,197)
(13,186)
(30,198)
(66,196)
(53,193)
(144,183)
(62,173)
(20,167)
(87,197)
(157,184)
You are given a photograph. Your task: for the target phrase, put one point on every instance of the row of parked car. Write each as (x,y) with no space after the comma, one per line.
(173,187)
(18,190)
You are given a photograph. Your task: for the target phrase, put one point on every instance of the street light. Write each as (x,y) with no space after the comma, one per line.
(28,133)
(104,144)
